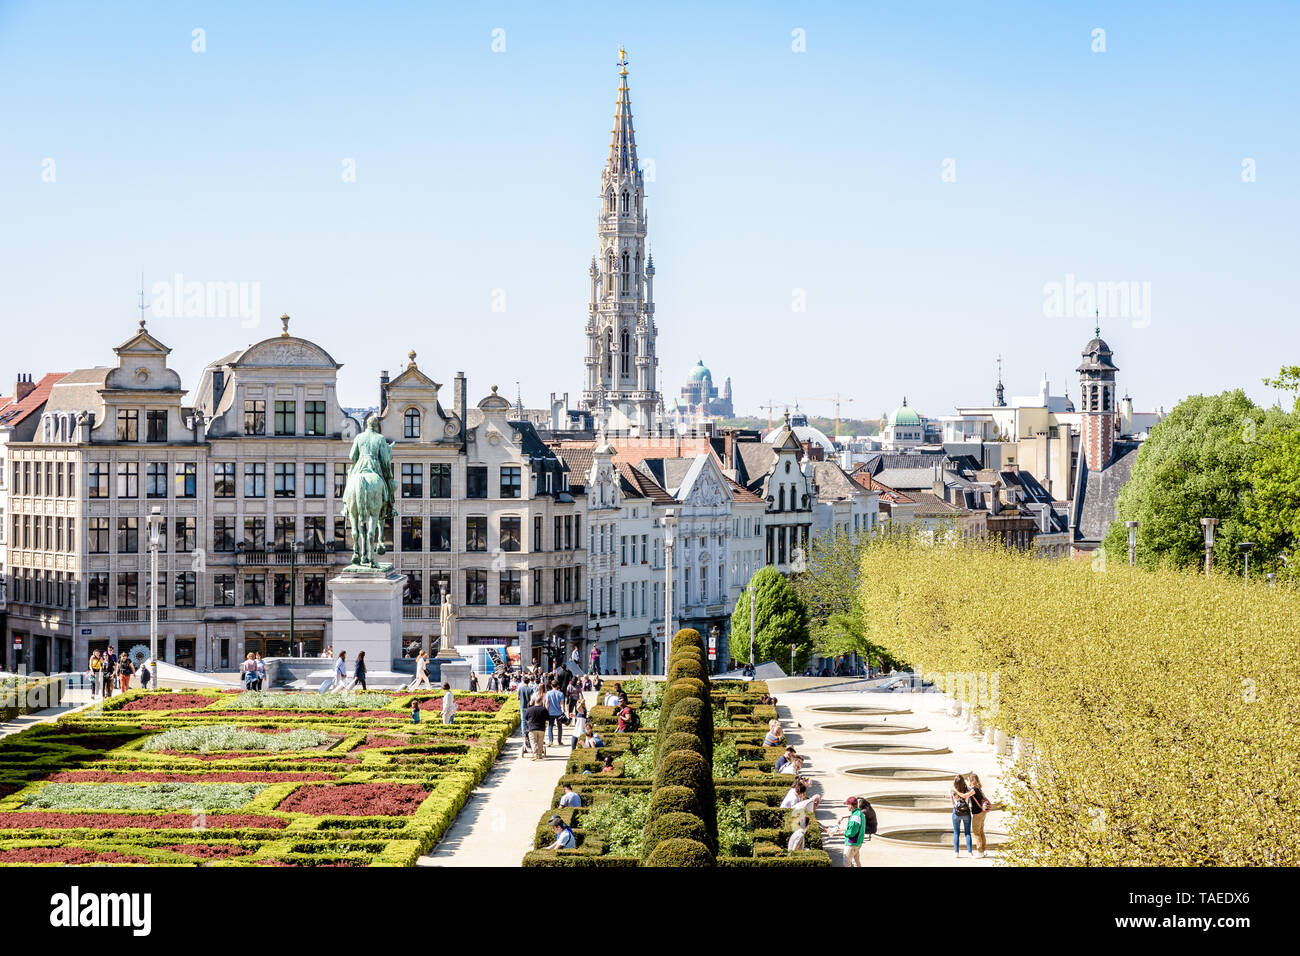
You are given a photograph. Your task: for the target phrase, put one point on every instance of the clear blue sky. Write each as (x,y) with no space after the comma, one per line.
(774,171)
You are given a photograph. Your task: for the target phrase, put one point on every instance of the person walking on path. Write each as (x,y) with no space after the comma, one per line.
(359,671)
(261,670)
(124,672)
(961,814)
(94,667)
(555,714)
(855,832)
(448,704)
(535,721)
(525,691)
(980,805)
(421,671)
(340,672)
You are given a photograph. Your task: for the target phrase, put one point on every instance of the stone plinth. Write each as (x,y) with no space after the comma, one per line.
(367,612)
(454,672)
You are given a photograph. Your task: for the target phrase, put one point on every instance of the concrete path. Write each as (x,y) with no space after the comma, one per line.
(73,700)
(825,770)
(497,823)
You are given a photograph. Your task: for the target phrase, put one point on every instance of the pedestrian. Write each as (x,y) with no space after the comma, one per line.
(525,691)
(799,838)
(415,711)
(261,670)
(106,674)
(93,669)
(627,718)
(358,671)
(555,714)
(535,721)
(249,669)
(580,722)
(473,682)
(340,672)
(855,831)
(145,676)
(595,660)
(980,805)
(961,814)
(448,704)
(124,671)
(421,671)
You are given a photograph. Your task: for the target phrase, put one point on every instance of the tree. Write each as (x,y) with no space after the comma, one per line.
(830,586)
(780,620)
(1270,514)
(1196,464)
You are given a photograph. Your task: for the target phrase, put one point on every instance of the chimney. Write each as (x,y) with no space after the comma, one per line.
(23,387)
(383,391)
(458,400)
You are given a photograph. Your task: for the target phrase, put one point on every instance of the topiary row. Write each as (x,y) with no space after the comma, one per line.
(681,827)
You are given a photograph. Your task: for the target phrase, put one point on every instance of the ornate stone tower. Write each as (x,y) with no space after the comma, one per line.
(1097,407)
(621,366)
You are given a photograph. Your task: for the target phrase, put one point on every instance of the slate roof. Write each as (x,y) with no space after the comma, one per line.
(642,484)
(908,479)
(1098,493)
(832,482)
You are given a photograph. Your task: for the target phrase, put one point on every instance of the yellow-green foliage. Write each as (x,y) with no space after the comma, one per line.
(1162,706)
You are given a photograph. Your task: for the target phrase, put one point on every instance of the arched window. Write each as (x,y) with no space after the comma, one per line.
(411,423)
(781,499)
(609,201)
(626,279)
(625,201)
(626,349)
(609,272)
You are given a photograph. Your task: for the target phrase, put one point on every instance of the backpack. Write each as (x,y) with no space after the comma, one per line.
(633,722)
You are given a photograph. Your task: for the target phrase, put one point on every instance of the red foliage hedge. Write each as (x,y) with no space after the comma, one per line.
(471,705)
(169,702)
(356,800)
(158,776)
(208,851)
(31,819)
(67,855)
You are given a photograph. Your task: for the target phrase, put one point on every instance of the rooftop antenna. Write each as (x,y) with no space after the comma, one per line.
(1097,317)
(142,306)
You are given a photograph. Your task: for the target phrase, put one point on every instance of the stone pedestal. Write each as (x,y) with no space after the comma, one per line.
(454,671)
(367,611)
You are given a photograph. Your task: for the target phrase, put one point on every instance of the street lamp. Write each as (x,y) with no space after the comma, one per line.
(1245,548)
(294,551)
(1132,541)
(670,538)
(155,539)
(1209,524)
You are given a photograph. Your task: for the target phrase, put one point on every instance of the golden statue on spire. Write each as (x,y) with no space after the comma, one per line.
(622,61)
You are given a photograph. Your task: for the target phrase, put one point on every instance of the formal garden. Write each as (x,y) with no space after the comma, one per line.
(693,787)
(229,778)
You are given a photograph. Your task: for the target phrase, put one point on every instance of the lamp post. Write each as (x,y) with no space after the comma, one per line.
(1209,524)
(1271,578)
(1245,548)
(294,551)
(155,539)
(1132,542)
(670,538)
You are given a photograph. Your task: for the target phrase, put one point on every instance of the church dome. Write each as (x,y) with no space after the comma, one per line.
(699,373)
(904,415)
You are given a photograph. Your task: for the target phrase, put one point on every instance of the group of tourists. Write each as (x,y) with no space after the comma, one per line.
(970,806)
(253,671)
(110,671)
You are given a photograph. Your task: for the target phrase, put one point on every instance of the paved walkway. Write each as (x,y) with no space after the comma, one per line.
(73,700)
(496,825)
(825,770)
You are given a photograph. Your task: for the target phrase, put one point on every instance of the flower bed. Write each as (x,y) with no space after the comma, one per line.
(98,787)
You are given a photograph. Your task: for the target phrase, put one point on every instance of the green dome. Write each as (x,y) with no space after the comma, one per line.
(699,373)
(903,415)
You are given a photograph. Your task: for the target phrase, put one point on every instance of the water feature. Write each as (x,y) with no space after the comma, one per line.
(871,727)
(899,773)
(854,709)
(872,747)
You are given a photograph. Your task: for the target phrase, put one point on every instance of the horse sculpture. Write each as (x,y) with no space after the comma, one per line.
(369,494)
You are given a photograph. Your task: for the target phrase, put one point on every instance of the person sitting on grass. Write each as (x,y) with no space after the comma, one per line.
(564,839)
(570,798)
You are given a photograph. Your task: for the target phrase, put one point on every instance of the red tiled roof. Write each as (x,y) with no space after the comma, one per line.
(886,493)
(12,412)
(645,486)
(634,450)
(741,493)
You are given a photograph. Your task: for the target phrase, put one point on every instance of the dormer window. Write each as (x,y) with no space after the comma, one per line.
(411,423)
(128,424)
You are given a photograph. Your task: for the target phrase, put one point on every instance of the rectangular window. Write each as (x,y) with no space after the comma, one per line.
(255,479)
(440,481)
(413,534)
(155,479)
(97,589)
(285,415)
(476,483)
(511,589)
(128,424)
(313,479)
(128,589)
(413,593)
(223,533)
(97,479)
(313,589)
(98,530)
(223,479)
(313,532)
(439,584)
(476,533)
(510,481)
(568,532)
(254,534)
(184,589)
(254,417)
(72,479)
(537,586)
(254,590)
(128,535)
(161,594)
(537,532)
(412,480)
(623,542)
(558,539)
(555,586)
(340,478)
(128,479)
(476,587)
(285,530)
(340,534)
(313,418)
(439,533)
(156,424)
(184,536)
(281,588)
(286,479)
(512,533)
(187,479)
(223,590)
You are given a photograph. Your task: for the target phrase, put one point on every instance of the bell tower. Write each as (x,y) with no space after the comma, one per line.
(1097,406)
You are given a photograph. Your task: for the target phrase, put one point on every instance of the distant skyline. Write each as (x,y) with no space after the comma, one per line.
(918,177)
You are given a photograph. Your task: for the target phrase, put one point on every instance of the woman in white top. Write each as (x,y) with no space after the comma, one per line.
(448,704)
(797,798)
(421,671)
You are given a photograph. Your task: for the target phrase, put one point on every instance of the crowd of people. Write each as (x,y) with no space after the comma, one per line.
(553,700)
(109,672)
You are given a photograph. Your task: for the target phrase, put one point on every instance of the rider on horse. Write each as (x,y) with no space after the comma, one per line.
(371,455)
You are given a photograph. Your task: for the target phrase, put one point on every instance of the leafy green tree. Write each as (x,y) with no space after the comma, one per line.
(780,621)
(829,585)
(1270,515)
(1196,463)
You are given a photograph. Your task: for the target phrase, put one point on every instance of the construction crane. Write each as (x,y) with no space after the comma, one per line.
(770,406)
(837,399)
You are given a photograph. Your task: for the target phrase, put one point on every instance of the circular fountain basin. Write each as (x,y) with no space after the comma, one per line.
(936,838)
(898,750)
(871,727)
(857,710)
(925,802)
(899,773)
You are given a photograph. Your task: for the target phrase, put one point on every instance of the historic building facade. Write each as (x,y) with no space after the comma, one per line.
(621,390)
